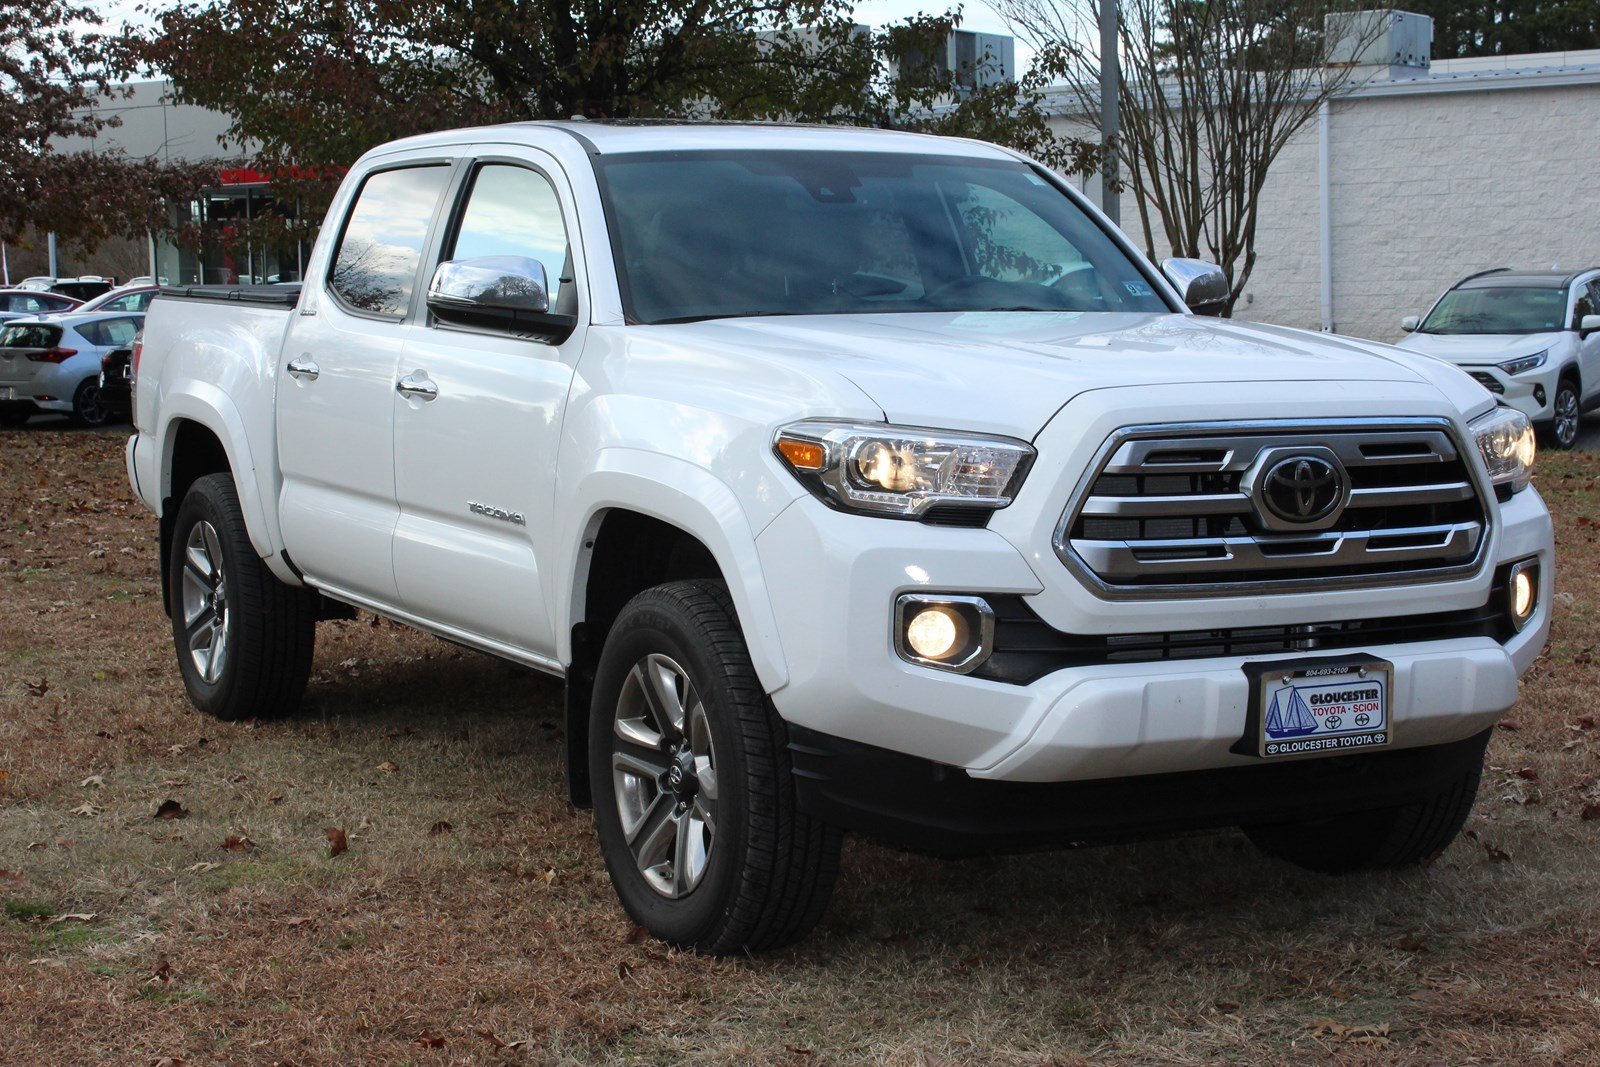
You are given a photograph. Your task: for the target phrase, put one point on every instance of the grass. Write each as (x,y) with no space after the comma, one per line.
(1188,951)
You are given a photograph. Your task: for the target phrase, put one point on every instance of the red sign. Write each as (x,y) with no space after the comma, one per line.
(251,176)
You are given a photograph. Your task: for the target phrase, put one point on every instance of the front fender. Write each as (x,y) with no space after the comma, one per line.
(695,501)
(203,403)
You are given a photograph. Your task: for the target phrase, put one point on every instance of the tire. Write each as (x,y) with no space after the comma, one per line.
(1566,415)
(257,633)
(1383,839)
(87,410)
(757,873)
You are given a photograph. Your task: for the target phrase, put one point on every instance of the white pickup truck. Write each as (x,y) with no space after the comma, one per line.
(852,480)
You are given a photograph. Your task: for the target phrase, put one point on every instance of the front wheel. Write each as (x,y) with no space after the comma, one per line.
(244,638)
(694,805)
(1383,839)
(1566,415)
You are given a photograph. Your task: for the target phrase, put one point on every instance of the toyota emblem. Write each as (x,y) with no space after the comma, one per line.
(1302,489)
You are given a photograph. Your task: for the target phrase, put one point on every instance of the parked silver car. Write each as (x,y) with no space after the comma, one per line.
(25,303)
(54,364)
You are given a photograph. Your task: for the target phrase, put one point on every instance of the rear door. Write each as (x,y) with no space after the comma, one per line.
(475,464)
(336,381)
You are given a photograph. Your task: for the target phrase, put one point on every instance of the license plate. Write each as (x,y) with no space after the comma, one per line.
(1324,708)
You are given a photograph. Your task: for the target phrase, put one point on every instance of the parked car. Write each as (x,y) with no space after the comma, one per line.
(54,365)
(116,381)
(82,288)
(1532,338)
(23,303)
(840,502)
(135,298)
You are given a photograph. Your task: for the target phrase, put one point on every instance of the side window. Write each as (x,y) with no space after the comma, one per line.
(513,211)
(131,302)
(375,268)
(1584,305)
(109,332)
(1593,301)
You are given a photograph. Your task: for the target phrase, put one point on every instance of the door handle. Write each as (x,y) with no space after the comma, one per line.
(417,386)
(303,368)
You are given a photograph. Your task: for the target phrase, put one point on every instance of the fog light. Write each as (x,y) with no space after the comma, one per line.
(1524,592)
(952,633)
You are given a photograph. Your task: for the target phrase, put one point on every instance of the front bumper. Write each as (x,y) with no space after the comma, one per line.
(1533,393)
(1102,720)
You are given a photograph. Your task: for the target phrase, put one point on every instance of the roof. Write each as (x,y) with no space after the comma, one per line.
(1522,279)
(612,137)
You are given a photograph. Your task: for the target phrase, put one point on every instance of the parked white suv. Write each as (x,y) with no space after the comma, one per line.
(1532,338)
(851,480)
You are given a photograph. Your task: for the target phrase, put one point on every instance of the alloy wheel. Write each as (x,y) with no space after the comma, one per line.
(1566,417)
(205,602)
(664,775)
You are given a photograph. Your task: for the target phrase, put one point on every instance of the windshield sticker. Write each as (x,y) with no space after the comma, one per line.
(1139,288)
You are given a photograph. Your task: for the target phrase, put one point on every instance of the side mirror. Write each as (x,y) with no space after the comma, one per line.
(1410,323)
(1202,285)
(1588,324)
(510,293)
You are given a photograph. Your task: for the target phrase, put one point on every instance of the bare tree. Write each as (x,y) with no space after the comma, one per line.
(1212,91)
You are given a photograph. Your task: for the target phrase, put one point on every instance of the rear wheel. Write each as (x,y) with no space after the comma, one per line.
(244,639)
(1382,839)
(1566,415)
(694,804)
(87,408)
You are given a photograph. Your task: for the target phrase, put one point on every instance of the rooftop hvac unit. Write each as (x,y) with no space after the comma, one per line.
(1396,44)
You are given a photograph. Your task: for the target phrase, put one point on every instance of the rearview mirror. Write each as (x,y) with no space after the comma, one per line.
(1410,323)
(506,292)
(1202,285)
(1588,324)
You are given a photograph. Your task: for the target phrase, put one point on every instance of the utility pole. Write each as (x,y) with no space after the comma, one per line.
(1110,118)
(50,241)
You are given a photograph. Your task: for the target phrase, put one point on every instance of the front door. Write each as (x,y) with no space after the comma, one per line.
(475,452)
(336,385)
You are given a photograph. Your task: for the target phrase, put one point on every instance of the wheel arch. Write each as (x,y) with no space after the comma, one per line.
(646,520)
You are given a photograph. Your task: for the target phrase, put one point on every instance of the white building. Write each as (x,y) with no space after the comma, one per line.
(1475,163)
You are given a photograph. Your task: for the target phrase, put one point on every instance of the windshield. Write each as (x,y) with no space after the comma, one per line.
(702,235)
(1500,309)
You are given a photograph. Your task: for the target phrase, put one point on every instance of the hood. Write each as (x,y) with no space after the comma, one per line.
(1009,372)
(1479,349)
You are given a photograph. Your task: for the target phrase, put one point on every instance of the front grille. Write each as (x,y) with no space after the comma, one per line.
(1178,510)
(1026,648)
(1489,381)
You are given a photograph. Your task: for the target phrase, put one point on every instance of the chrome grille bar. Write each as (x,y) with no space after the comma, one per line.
(1169,510)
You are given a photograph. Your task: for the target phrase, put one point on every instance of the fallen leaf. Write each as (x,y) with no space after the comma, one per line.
(428,1039)
(338,841)
(798,1051)
(1510,724)
(1413,943)
(1528,774)
(171,809)
(94,780)
(176,750)
(440,827)
(238,843)
(625,968)
(1227,1005)
(636,935)
(161,973)
(39,688)
(386,767)
(276,798)
(169,1061)
(1591,812)
(299,921)
(73,917)
(88,809)
(494,1039)
(201,868)
(1498,855)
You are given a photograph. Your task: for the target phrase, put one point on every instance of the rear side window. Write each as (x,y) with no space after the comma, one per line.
(108,332)
(375,268)
(30,336)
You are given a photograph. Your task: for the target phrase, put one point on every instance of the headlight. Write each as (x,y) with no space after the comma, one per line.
(902,471)
(1522,363)
(1505,439)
